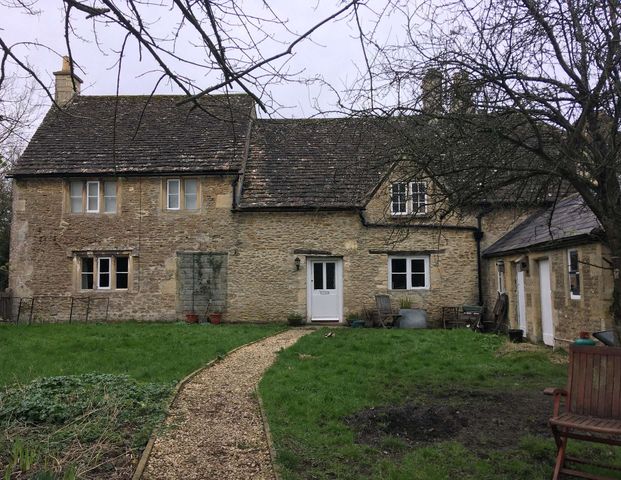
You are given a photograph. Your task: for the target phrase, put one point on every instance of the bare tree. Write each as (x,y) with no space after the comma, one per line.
(203,46)
(523,99)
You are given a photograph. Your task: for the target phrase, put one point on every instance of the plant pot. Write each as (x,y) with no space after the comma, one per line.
(215,318)
(191,318)
(516,335)
(412,318)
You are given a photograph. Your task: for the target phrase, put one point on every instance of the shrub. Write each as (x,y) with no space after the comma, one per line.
(295,319)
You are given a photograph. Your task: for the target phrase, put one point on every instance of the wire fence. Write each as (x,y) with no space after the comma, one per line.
(53,309)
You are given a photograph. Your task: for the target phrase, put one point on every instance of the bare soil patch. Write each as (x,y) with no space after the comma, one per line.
(483,421)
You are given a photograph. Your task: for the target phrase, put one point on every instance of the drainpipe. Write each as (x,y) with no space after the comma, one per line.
(478,236)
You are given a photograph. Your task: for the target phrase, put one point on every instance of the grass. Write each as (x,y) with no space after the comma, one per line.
(80,401)
(155,352)
(321,381)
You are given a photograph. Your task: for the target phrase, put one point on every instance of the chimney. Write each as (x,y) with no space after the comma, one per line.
(462,93)
(64,85)
(432,92)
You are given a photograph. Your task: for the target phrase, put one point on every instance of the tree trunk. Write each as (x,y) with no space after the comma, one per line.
(615,248)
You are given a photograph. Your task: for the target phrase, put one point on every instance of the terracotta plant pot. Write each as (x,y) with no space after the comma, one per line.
(191,318)
(215,318)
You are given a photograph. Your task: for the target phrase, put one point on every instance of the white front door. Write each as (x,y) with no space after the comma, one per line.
(521,302)
(547,324)
(325,289)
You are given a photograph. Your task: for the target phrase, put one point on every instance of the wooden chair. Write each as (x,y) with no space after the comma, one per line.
(592,406)
(385,313)
(499,321)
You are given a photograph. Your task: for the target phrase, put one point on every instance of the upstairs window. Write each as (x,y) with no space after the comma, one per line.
(89,196)
(182,194)
(408,198)
(574,274)
(408,273)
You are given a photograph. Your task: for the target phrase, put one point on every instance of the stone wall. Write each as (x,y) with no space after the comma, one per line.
(263,282)
(589,313)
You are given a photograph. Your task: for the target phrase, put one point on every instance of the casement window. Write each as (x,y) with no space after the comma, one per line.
(408,273)
(182,194)
(500,269)
(574,274)
(92,196)
(110,272)
(408,198)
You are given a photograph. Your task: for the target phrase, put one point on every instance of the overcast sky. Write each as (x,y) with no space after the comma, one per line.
(333,53)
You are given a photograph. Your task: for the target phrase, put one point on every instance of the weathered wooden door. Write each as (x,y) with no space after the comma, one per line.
(201,281)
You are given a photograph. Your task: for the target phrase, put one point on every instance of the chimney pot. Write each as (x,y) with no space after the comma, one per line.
(433,92)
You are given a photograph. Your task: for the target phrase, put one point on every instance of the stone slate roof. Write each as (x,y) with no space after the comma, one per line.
(571,221)
(315,164)
(152,135)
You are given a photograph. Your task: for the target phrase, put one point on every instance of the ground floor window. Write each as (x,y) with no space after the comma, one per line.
(500,269)
(408,273)
(574,274)
(105,272)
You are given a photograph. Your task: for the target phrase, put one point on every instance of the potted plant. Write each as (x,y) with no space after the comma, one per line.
(215,316)
(411,317)
(295,319)
(191,316)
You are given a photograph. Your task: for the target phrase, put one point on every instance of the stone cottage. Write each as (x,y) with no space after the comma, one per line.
(147,209)
(556,272)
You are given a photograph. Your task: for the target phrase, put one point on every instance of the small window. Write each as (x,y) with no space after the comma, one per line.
(419,198)
(574,274)
(399,198)
(122,273)
(76,197)
(110,197)
(173,189)
(318,276)
(92,197)
(103,273)
(500,268)
(86,282)
(408,273)
(190,194)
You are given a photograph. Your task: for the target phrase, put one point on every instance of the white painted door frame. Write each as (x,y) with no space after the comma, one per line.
(521,301)
(545,291)
(324,304)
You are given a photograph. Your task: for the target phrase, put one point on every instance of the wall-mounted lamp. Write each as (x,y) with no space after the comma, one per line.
(297,263)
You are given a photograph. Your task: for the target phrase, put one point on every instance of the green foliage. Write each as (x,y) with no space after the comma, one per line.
(307,402)
(295,319)
(405,303)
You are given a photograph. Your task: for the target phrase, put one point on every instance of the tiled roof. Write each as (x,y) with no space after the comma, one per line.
(315,164)
(152,135)
(569,219)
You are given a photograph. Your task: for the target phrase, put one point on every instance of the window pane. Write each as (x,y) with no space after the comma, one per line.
(399,281)
(573,260)
(110,197)
(330,275)
(122,275)
(418,280)
(418,265)
(399,198)
(399,265)
(318,276)
(87,274)
(191,194)
(92,196)
(172,194)
(419,190)
(75,192)
(104,273)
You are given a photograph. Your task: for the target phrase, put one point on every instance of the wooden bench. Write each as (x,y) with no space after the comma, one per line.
(592,406)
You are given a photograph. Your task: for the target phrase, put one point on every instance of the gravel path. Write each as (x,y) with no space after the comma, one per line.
(216,426)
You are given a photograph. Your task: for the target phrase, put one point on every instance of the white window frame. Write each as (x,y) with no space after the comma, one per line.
(79,183)
(115,196)
(572,296)
(501,278)
(109,272)
(168,183)
(392,202)
(196,193)
(88,184)
(421,209)
(408,271)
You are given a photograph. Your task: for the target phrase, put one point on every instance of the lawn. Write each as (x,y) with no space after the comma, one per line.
(406,404)
(80,401)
